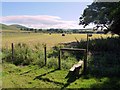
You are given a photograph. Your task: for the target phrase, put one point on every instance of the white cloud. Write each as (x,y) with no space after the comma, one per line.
(41,21)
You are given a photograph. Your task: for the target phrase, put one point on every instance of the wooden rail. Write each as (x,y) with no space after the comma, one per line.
(72,49)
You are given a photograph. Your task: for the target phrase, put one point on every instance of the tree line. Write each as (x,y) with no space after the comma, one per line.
(51,30)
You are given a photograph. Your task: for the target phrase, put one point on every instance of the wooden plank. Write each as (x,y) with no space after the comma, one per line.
(72,69)
(79,64)
(72,49)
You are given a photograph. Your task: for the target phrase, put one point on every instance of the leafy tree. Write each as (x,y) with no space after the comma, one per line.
(102,14)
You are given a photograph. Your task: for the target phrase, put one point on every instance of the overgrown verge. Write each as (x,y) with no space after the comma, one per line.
(104,57)
(24,55)
(103,60)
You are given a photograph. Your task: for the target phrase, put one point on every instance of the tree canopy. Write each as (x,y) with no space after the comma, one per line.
(102,14)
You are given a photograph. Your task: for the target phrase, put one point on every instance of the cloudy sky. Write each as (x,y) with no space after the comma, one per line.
(43,14)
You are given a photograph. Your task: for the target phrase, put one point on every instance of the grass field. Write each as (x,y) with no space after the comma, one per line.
(35,77)
(51,40)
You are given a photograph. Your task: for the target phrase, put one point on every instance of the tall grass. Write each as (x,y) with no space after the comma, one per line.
(103,61)
(105,56)
(67,59)
(102,44)
(24,55)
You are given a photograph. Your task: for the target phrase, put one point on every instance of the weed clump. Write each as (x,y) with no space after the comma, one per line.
(22,55)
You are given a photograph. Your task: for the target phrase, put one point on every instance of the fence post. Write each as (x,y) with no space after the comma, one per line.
(87,43)
(45,54)
(59,62)
(12,52)
(85,62)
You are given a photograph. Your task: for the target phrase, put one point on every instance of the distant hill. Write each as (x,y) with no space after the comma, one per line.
(7,27)
(18,26)
(11,27)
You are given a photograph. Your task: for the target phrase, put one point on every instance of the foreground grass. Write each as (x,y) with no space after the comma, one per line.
(35,77)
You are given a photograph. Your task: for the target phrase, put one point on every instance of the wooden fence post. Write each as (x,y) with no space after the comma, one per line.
(45,54)
(59,61)
(85,62)
(12,46)
(85,55)
(87,43)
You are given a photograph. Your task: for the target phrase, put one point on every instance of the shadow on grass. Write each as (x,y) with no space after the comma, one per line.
(25,72)
(112,83)
(71,78)
(47,79)
(51,81)
(30,70)
(104,60)
(39,77)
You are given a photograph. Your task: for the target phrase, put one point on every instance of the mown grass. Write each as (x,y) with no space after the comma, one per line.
(29,77)
(11,31)
(36,77)
(51,40)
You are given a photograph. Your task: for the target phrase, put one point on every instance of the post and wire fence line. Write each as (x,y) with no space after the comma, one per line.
(85,51)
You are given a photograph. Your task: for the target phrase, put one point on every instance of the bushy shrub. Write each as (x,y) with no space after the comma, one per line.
(68,62)
(38,59)
(23,55)
(6,55)
(65,63)
(52,63)
(54,52)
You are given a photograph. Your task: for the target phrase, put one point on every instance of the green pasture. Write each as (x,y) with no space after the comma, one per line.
(35,77)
